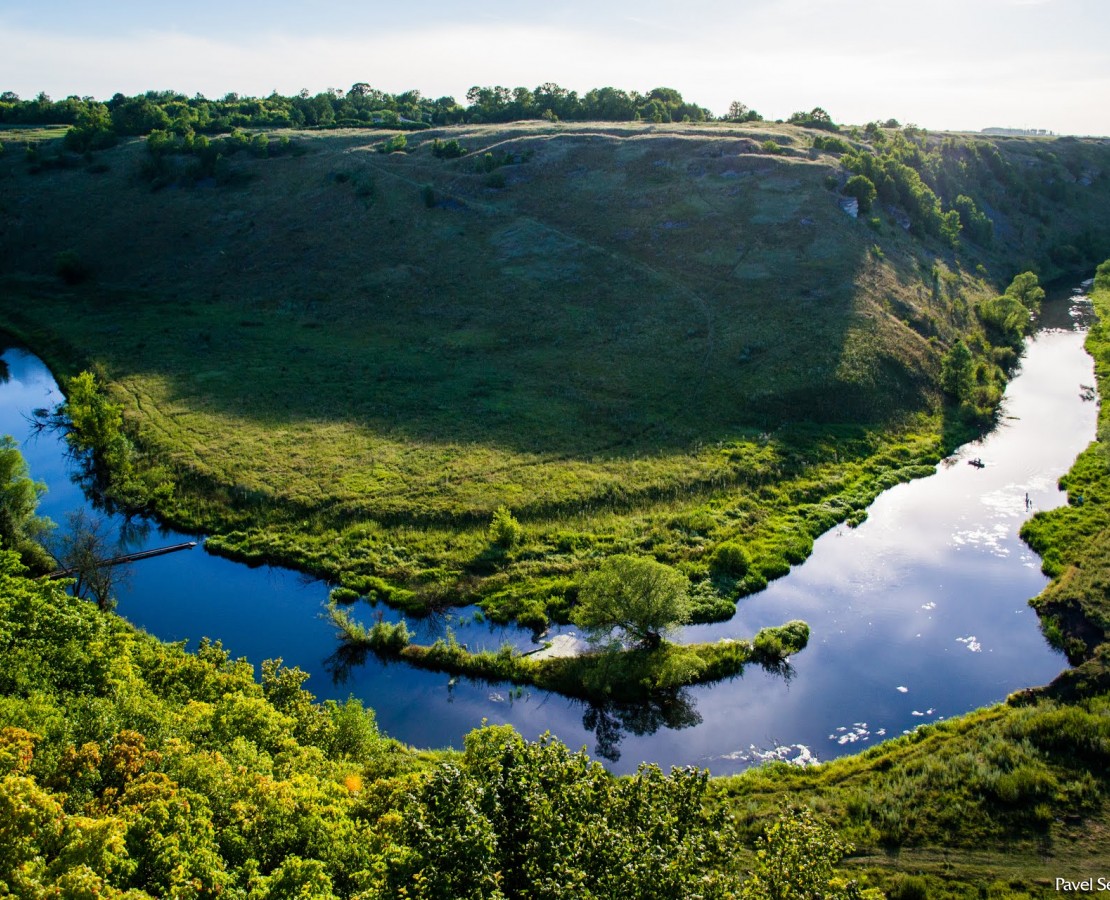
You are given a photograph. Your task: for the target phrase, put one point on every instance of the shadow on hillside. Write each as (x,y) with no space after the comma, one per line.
(630,299)
(583,370)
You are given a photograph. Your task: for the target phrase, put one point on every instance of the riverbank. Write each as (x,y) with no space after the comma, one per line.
(1074,541)
(928,653)
(1010,796)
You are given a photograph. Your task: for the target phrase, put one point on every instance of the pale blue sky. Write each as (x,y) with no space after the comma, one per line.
(958,64)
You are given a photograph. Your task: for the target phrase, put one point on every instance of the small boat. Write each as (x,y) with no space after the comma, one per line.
(977,462)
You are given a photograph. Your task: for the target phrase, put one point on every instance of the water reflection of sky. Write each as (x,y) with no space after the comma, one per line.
(917,615)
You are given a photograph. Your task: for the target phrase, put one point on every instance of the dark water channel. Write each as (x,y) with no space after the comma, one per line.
(917,615)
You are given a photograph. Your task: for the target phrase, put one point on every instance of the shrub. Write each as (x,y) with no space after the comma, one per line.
(815,118)
(709,605)
(451,149)
(160,142)
(976,223)
(1026,289)
(343,595)
(956,372)
(772,645)
(730,560)
(389,638)
(1006,316)
(533,615)
(1024,784)
(504,530)
(768,646)
(395,144)
(831,144)
(863,189)
(774,567)
(754,582)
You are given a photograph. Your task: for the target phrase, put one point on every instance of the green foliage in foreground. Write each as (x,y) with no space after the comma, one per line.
(130,765)
(130,768)
(796,858)
(127,764)
(521,820)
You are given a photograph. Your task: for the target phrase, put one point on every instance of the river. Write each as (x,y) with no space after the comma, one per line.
(917,615)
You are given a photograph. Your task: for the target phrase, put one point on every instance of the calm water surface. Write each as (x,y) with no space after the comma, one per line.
(917,615)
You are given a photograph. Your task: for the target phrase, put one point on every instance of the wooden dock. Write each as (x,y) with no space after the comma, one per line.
(130,557)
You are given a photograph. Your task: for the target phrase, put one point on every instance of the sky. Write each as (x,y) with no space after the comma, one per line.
(943,65)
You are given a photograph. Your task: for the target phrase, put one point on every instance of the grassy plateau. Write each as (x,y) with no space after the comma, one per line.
(636,338)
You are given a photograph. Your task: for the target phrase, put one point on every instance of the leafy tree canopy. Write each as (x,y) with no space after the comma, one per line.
(1026,288)
(21,528)
(640,599)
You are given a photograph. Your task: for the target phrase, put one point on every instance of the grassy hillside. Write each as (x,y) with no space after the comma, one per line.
(637,338)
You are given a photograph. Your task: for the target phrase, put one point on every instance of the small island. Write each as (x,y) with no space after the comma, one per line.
(626,607)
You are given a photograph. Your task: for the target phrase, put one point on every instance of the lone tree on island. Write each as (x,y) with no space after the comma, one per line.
(641,599)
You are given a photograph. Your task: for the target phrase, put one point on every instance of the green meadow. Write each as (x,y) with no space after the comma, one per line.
(440,379)
(637,338)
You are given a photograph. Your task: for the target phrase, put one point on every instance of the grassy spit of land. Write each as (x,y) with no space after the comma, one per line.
(596,674)
(638,339)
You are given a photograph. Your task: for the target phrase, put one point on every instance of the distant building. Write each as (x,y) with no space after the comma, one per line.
(1041,132)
